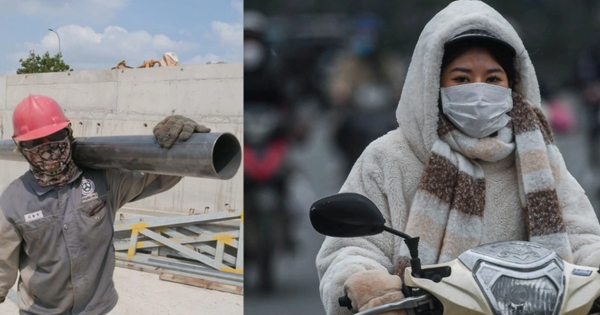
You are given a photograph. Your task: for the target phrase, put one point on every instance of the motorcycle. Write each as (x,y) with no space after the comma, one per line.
(512,277)
(265,178)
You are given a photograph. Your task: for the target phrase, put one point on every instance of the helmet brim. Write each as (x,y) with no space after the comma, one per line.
(42,132)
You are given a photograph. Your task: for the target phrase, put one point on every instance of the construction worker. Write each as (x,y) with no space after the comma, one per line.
(56,220)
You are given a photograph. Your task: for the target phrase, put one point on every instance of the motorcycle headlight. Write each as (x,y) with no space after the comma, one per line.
(517,296)
(521,296)
(518,278)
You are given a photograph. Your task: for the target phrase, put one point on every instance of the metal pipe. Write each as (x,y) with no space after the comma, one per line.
(207,155)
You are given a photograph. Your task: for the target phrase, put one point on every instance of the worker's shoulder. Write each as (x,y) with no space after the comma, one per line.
(18,191)
(18,185)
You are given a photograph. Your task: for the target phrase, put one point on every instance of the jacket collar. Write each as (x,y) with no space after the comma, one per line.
(41,190)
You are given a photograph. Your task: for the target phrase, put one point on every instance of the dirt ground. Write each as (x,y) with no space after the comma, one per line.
(144,293)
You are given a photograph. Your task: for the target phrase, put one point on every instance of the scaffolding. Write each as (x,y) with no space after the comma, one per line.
(204,250)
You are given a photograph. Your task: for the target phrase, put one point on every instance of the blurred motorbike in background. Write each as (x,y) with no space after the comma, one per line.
(265,179)
(268,135)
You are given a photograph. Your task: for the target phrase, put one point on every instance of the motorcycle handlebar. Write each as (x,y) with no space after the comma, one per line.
(344,301)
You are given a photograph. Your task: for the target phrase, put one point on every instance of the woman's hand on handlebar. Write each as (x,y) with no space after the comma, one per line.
(372,288)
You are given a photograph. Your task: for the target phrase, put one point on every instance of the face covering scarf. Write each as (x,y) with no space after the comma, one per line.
(477,109)
(447,210)
(51,162)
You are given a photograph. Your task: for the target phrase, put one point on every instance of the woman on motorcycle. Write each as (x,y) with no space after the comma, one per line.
(472,162)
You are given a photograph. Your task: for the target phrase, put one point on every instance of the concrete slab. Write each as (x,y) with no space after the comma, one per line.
(207,97)
(76,97)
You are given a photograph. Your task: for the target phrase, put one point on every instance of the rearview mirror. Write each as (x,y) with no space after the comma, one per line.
(346,215)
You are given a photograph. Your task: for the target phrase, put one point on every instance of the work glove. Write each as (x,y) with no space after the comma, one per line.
(372,288)
(176,127)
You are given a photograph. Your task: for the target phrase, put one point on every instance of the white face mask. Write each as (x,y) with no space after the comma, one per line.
(477,109)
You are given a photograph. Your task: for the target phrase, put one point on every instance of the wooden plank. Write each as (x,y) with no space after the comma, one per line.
(211,285)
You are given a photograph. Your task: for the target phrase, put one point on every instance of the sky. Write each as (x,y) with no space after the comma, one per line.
(97,34)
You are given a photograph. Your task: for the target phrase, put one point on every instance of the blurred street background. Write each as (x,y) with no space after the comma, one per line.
(322,79)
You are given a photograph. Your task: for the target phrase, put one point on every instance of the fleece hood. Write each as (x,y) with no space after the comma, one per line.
(417,111)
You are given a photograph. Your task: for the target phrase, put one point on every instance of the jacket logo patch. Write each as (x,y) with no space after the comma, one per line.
(34,216)
(87,190)
(87,187)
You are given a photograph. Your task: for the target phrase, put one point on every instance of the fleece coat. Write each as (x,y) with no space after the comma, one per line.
(390,169)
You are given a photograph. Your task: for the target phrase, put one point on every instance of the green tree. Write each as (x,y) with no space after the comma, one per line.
(45,63)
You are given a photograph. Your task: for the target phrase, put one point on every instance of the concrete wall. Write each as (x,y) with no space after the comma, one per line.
(131,102)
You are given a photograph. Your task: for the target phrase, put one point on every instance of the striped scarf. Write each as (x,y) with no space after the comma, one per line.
(447,210)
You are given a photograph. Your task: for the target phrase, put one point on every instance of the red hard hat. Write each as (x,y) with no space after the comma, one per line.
(37,116)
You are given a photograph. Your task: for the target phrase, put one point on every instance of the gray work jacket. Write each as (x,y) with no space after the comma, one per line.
(60,239)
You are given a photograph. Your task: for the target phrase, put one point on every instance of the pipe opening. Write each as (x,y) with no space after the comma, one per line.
(227,156)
